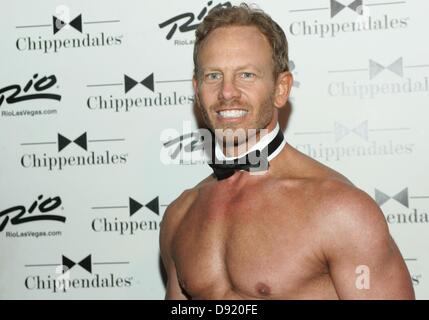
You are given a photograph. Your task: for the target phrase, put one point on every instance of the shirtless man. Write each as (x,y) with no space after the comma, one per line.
(299,230)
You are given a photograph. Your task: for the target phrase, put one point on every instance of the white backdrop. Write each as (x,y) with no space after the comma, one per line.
(86,97)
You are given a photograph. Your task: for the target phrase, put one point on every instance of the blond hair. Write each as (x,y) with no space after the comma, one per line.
(243,15)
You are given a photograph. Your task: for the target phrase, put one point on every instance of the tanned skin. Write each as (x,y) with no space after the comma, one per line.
(299,231)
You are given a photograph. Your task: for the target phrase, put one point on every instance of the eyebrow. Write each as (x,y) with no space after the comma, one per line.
(246,66)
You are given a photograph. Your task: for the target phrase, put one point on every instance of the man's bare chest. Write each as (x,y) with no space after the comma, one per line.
(255,242)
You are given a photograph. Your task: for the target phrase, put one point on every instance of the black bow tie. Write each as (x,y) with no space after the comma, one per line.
(225,169)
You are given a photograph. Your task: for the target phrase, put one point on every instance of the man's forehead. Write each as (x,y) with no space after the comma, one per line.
(237,31)
(238,42)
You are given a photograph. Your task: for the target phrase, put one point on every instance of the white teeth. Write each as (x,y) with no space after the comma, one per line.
(232,113)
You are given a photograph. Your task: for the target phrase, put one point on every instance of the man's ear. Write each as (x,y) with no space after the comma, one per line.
(195,86)
(283,85)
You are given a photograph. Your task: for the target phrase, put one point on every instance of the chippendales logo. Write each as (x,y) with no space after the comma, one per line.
(141,217)
(77,274)
(37,88)
(399,210)
(355,142)
(138,93)
(378,79)
(188,21)
(331,18)
(42,209)
(67,32)
(51,161)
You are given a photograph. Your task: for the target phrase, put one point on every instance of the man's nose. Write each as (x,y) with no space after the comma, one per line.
(229,90)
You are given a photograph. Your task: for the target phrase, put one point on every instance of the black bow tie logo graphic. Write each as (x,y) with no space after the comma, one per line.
(152,205)
(337,7)
(130,83)
(340,131)
(84,263)
(81,141)
(397,67)
(76,23)
(402,197)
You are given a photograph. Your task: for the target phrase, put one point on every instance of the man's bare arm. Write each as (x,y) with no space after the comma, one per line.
(169,225)
(364,261)
(173,290)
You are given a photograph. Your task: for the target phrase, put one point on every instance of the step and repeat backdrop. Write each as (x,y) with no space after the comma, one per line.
(97,114)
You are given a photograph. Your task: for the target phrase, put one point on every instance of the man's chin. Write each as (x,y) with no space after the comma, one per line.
(239,125)
(236,133)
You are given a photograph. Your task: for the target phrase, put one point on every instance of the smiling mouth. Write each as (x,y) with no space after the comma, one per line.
(231,114)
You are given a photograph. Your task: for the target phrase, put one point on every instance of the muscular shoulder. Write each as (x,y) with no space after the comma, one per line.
(338,201)
(171,219)
(354,238)
(347,216)
(175,212)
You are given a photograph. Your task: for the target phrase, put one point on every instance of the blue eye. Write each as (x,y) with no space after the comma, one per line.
(248,75)
(213,76)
